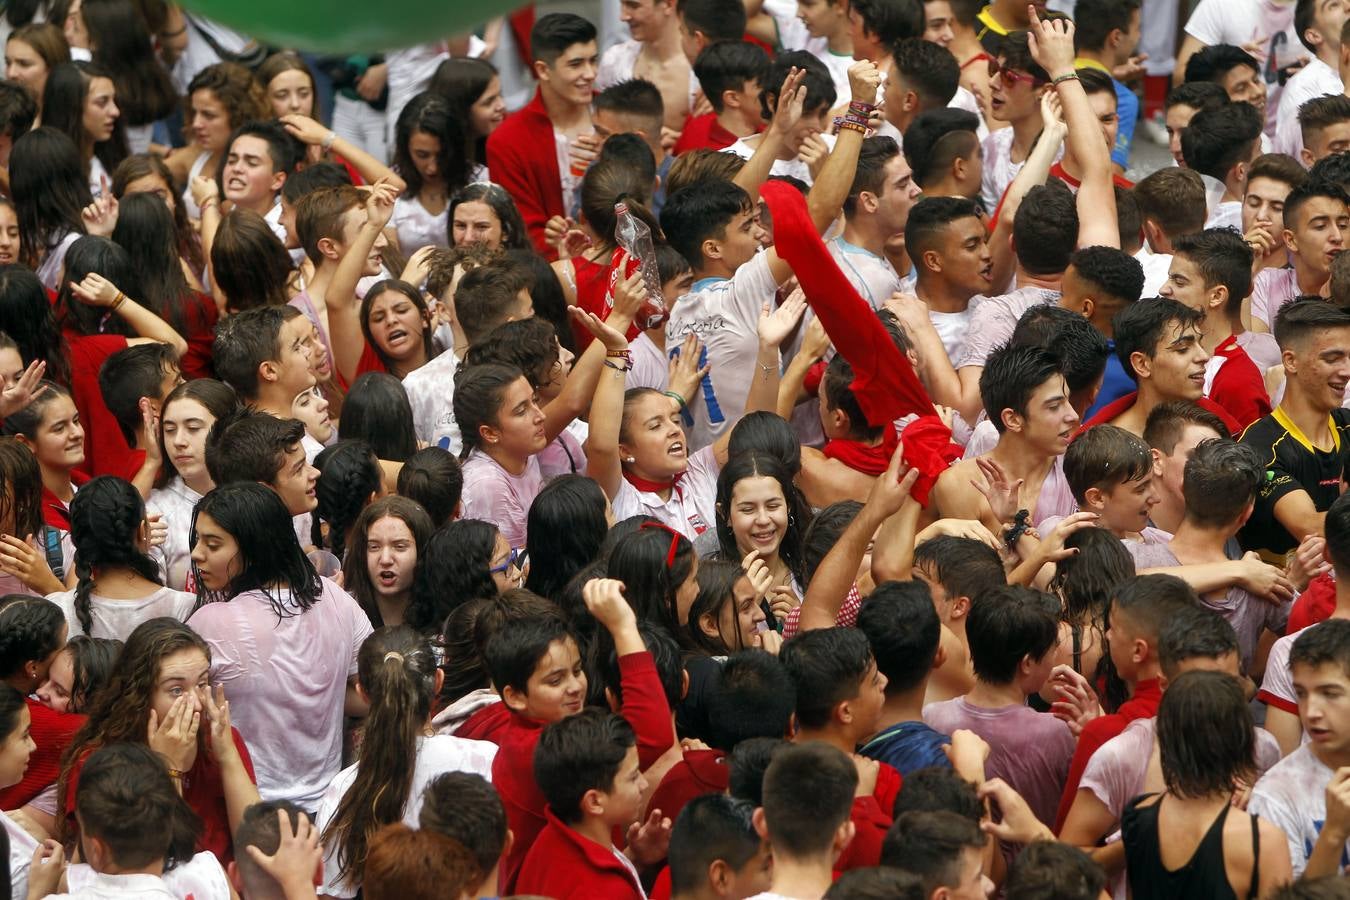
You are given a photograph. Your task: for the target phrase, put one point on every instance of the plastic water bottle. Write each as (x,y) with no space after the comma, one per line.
(635,237)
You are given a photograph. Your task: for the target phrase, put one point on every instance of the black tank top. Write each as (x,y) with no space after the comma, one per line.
(1203,877)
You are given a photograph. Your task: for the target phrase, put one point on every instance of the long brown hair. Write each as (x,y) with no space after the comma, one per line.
(145,165)
(397,671)
(249,263)
(356,571)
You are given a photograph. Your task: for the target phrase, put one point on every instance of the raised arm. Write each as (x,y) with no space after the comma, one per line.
(1035,171)
(344,309)
(1051,44)
(99,291)
(831,188)
(206,194)
(785,117)
(315,135)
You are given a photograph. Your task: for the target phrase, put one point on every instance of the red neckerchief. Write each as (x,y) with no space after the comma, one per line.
(653,487)
(865,458)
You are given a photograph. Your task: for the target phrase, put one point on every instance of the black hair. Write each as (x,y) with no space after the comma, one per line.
(463,81)
(64,99)
(495,198)
(270,557)
(92,254)
(903,630)
(1206,736)
(1082,349)
(727,66)
(430,113)
(1014,52)
(1326,643)
(825,529)
(1010,376)
(349,472)
(125,786)
(879,883)
(554,33)
(1087,580)
(122,46)
(12,702)
(1103,457)
(929,218)
(890,21)
(1045,228)
(1216,140)
(717,20)
(432,476)
(249,446)
(1110,271)
(700,212)
(285,150)
(1337,528)
(1313,187)
(757,464)
(91,662)
(245,341)
(377,411)
(1191,632)
(666,656)
(566,527)
(530,345)
(937,788)
(465,807)
(808,792)
(260,827)
(931,844)
(752,696)
(1212,63)
(105,517)
(1140,327)
(511,654)
(147,231)
(632,97)
(314,177)
(768,433)
(1298,319)
(478,400)
(710,828)
(1169,420)
(930,70)
(1334,168)
(18,109)
(130,375)
(1197,95)
(747,764)
(1095,81)
(1006,625)
(839,397)
(717,580)
(639,560)
(827,666)
(579,754)
(870,174)
(456,570)
(27,316)
(1096,19)
(1129,220)
(1220,482)
(49,188)
(1049,870)
(1149,601)
(937,138)
(30,630)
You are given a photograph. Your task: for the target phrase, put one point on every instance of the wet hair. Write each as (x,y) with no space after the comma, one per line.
(530,345)
(1167,421)
(758,464)
(1206,737)
(752,696)
(479,392)
(1007,624)
(219,400)
(766,432)
(1045,228)
(903,630)
(580,754)
(1009,378)
(700,212)
(931,845)
(257,446)
(455,571)
(1103,457)
(1303,316)
(412,295)
(717,580)
(1049,869)
(237,90)
(1172,198)
(146,230)
(356,565)
(486,296)
(314,177)
(349,472)
(63,104)
(1141,327)
(1220,481)
(650,584)
(27,317)
(1212,63)
(376,410)
(931,71)
(402,864)
(21,478)
(566,527)
(463,81)
(808,792)
(92,254)
(430,113)
(1219,139)
(131,375)
(1113,274)
(716,20)
(432,477)
(249,262)
(91,663)
(1326,643)
(1081,348)
(929,219)
(106,517)
(936,788)
(49,188)
(1149,601)
(123,787)
(30,630)
(827,665)
(727,66)
(1192,632)
(396,668)
(495,198)
(465,807)
(710,828)
(271,559)
(1087,580)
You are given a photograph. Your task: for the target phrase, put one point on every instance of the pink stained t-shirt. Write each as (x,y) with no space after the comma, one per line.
(494,495)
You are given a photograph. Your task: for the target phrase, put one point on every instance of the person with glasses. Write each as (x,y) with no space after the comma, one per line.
(1016,82)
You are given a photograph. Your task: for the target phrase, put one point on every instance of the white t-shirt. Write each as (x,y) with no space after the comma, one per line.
(418,228)
(1156,266)
(1240,22)
(287,681)
(792,168)
(22,846)
(410,71)
(431,394)
(1271,290)
(435,756)
(872,276)
(650,369)
(494,495)
(792,33)
(1293,796)
(837,64)
(993,319)
(952,328)
(1226,214)
(200,878)
(1261,347)
(117,619)
(999,168)
(1316,79)
(724,313)
(175,503)
(692,507)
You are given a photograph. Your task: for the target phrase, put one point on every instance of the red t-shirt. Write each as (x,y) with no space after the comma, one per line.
(1238,386)
(369,362)
(485,724)
(203,791)
(703,132)
(52,732)
(1314,605)
(54,510)
(593,296)
(105,450)
(199,329)
(871,819)
(700,772)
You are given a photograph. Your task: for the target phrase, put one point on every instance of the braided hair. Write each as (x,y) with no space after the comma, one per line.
(349,472)
(31,628)
(105,517)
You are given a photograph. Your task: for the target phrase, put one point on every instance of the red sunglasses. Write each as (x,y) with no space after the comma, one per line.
(1011,76)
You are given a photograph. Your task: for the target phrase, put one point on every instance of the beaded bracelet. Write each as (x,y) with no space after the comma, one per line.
(861,108)
(848,124)
(1072,76)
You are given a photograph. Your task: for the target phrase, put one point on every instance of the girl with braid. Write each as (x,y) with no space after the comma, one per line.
(349,480)
(119,585)
(400,754)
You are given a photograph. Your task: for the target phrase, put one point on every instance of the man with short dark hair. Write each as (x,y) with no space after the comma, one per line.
(1106,35)
(1316,221)
(1183,102)
(729,74)
(653,53)
(133,383)
(1318,24)
(1221,144)
(1324,125)
(942,146)
(876,210)
(806,144)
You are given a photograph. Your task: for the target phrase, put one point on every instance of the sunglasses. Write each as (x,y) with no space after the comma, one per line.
(510,561)
(674,539)
(1011,76)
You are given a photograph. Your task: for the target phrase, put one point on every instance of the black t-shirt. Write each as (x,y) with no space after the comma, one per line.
(1292,463)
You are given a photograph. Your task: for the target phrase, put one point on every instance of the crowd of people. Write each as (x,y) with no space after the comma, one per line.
(772,453)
